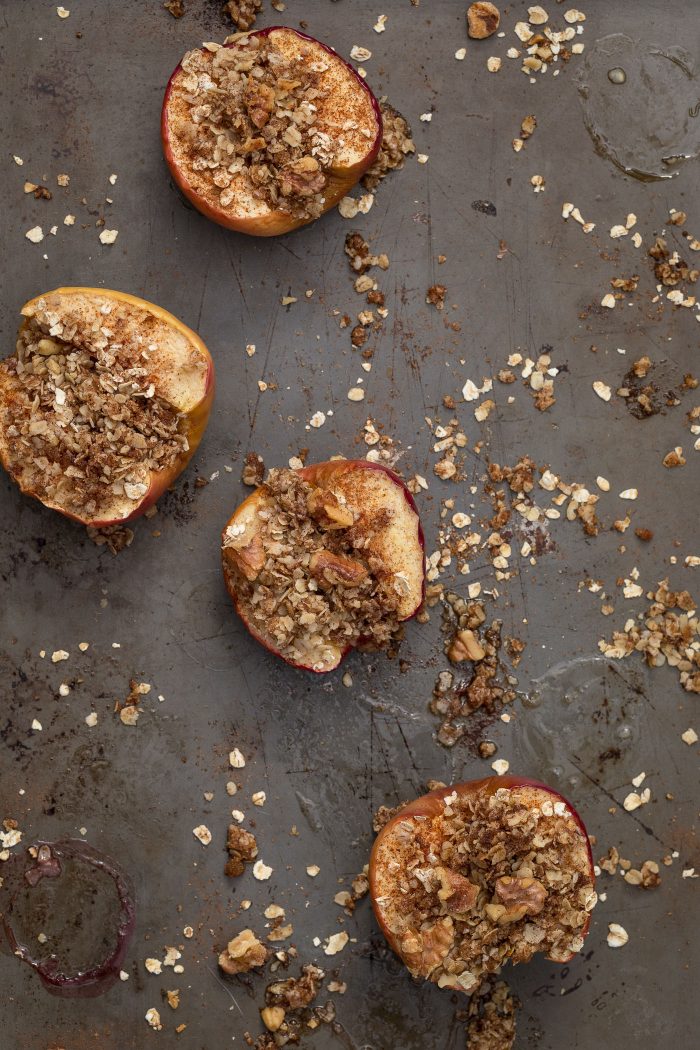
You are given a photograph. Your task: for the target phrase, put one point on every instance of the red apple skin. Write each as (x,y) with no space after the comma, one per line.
(431,804)
(197,419)
(340,180)
(322,474)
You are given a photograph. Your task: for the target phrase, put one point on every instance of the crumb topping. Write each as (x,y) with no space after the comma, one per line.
(306,575)
(261,123)
(396,145)
(491,878)
(83,421)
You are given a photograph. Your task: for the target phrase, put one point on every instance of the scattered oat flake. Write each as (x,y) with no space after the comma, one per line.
(59,655)
(629,494)
(18,161)
(287,300)
(317,420)
(356,393)
(500,766)
(608,301)
(689,873)
(493,64)
(461,54)
(617,935)
(618,231)
(380,25)
(153,1018)
(258,798)
(602,483)
(129,715)
(36,724)
(62,12)
(360,54)
(202,833)
(336,943)
(153,965)
(91,719)
(236,759)
(689,737)
(313,870)
(35,235)
(422,158)
(538,183)
(602,390)
(108,236)
(261,871)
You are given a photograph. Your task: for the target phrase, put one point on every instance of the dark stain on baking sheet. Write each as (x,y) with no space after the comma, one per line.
(328,751)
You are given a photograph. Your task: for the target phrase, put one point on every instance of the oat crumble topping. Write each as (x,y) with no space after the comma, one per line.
(490,878)
(82,419)
(310,579)
(258,125)
(397,143)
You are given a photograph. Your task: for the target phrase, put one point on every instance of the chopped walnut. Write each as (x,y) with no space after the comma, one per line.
(245,952)
(242,849)
(465,646)
(483,20)
(435,296)
(253,470)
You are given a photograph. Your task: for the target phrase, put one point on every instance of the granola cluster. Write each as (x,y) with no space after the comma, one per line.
(307,577)
(81,420)
(246,121)
(491,878)
(396,146)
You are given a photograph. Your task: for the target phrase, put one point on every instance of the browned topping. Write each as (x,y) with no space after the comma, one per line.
(242,848)
(528,126)
(396,145)
(256,125)
(175,7)
(644,534)
(674,458)
(245,952)
(80,412)
(435,296)
(488,879)
(669,268)
(483,20)
(492,1016)
(253,470)
(308,579)
(243,13)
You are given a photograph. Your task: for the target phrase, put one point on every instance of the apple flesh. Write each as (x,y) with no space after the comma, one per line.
(182,373)
(367,490)
(387,872)
(348,102)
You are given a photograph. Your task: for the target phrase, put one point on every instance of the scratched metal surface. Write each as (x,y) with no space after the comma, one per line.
(329,755)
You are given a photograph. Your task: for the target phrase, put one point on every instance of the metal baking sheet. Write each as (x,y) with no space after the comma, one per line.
(81,95)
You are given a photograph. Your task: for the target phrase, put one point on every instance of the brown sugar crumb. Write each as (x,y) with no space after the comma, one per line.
(80,408)
(245,952)
(625,284)
(361,258)
(646,535)
(115,537)
(435,296)
(487,879)
(175,7)
(289,1012)
(492,1015)
(242,849)
(483,20)
(243,13)
(396,145)
(669,269)
(663,635)
(312,581)
(528,126)
(253,470)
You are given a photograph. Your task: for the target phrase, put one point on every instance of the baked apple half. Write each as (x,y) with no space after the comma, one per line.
(471,876)
(324,559)
(266,132)
(102,404)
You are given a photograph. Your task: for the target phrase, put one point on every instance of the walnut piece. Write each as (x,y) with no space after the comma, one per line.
(458,895)
(465,646)
(337,569)
(483,20)
(243,953)
(248,560)
(517,897)
(425,949)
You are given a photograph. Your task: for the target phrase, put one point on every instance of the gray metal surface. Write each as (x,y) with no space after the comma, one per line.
(328,755)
